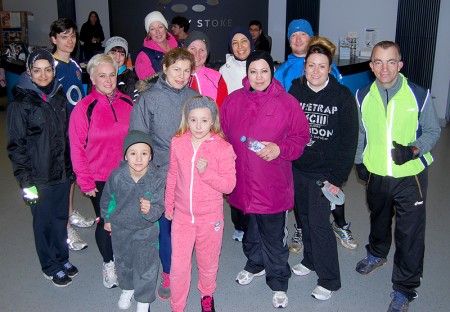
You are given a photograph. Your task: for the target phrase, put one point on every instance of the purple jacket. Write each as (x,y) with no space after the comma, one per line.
(274,116)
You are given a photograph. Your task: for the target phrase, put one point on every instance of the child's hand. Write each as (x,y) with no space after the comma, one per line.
(169,217)
(145,206)
(107,227)
(201,165)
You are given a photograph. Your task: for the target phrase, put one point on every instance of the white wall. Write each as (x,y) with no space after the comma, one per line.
(337,18)
(440,89)
(44,12)
(277,28)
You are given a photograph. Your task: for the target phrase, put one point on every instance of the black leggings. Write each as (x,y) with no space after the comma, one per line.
(102,237)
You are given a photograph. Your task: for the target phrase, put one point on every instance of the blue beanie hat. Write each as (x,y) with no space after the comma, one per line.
(245,32)
(299,25)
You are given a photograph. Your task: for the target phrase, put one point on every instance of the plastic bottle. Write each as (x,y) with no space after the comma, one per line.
(252,144)
(129,63)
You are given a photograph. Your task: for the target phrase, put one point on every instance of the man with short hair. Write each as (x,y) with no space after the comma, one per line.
(398,128)
(260,41)
(180,28)
(63,35)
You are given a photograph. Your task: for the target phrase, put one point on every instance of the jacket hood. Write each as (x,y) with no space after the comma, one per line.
(27,85)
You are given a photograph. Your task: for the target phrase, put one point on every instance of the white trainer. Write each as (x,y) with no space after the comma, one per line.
(109,275)
(280,299)
(74,241)
(321,293)
(142,307)
(78,220)
(245,277)
(125,299)
(300,269)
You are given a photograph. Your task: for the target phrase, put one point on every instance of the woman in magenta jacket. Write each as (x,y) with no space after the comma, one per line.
(264,190)
(97,128)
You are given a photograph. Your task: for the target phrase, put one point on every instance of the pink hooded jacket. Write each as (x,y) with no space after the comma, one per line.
(143,65)
(273,116)
(198,198)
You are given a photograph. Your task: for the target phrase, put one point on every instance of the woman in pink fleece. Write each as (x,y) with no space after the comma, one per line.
(157,43)
(201,170)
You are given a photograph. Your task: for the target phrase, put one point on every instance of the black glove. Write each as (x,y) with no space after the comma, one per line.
(362,172)
(401,154)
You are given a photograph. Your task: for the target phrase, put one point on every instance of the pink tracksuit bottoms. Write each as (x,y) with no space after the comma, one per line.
(206,238)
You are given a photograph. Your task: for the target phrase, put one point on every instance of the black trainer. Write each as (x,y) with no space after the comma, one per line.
(59,279)
(70,269)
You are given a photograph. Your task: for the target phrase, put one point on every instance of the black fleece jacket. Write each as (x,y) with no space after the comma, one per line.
(333,119)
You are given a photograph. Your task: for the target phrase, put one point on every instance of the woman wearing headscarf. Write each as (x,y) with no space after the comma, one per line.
(240,43)
(157,42)
(264,192)
(207,81)
(38,146)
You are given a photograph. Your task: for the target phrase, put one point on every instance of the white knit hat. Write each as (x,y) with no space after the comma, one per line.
(116,42)
(155,16)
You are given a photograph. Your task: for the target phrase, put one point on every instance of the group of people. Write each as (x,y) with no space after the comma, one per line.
(157,147)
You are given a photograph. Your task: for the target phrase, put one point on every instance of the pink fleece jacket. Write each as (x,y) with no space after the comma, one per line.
(199,197)
(143,65)
(96,145)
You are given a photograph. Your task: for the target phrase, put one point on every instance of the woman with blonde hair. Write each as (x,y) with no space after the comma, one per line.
(201,170)
(97,128)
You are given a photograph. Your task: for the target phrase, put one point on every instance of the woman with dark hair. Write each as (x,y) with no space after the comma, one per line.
(158,113)
(92,36)
(325,164)
(157,42)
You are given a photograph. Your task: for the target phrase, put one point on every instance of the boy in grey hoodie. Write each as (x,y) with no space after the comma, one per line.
(131,204)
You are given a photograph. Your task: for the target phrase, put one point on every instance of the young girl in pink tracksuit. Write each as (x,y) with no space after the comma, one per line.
(201,170)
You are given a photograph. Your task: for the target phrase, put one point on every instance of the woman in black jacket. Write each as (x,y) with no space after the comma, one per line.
(328,159)
(38,146)
(92,36)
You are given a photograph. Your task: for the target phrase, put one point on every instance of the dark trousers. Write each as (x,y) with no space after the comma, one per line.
(102,237)
(265,247)
(239,219)
(338,215)
(50,216)
(320,247)
(406,199)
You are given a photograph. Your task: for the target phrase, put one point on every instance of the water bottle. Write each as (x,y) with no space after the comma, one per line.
(129,62)
(252,144)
